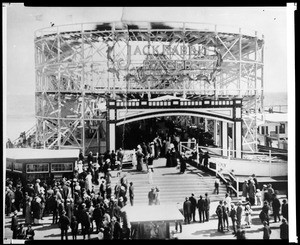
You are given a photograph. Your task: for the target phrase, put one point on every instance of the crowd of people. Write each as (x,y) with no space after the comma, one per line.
(73,203)
(239,215)
(24,141)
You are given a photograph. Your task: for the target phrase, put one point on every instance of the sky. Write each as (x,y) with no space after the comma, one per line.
(23,21)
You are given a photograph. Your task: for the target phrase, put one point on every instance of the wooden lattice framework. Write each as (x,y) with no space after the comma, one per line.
(80,66)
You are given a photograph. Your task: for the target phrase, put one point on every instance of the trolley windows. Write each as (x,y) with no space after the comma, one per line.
(9,165)
(62,167)
(18,167)
(37,168)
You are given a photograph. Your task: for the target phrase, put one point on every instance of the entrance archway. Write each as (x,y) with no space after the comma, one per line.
(225,111)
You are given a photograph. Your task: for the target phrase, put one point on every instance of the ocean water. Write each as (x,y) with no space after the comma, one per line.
(20,110)
(19,115)
(278,98)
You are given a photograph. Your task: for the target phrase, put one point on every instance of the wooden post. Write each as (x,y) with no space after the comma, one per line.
(270,163)
(237,188)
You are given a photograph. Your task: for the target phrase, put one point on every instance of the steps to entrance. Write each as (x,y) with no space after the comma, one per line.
(173,186)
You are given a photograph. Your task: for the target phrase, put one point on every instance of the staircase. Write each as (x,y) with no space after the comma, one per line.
(173,186)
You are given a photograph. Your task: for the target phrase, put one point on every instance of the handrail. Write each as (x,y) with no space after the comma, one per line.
(231,151)
(218,173)
(28,132)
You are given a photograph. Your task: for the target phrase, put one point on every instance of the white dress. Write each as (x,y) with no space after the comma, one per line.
(88,182)
(150,177)
(80,168)
(134,159)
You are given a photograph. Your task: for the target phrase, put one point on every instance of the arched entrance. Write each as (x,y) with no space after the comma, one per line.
(225,111)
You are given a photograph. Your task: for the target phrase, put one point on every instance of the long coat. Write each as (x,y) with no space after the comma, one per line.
(64,222)
(284,210)
(139,157)
(168,157)
(252,190)
(232,214)
(201,204)
(193,203)
(187,207)
(207,203)
(276,204)
(239,212)
(173,156)
(36,209)
(28,219)
(245,189)
(70,210)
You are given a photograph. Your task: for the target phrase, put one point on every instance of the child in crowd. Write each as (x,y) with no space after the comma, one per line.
(248,220)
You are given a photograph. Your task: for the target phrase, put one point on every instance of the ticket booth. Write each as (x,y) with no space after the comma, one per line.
(152,222)
(31,164)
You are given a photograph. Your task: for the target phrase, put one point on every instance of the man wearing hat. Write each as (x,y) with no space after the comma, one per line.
(284,230)
(276,207)
(201,209)
(239,213)
(187,210)
(285,209)
(266,231)
(69,208)
(66,191)
(151,196)
(232,215)
(14,224)
(206,206)
(193,207)
(64,223)
(131,193)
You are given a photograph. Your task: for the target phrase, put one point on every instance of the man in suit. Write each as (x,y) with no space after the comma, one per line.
(131,193)
(66,191)
(193,207)
(64,223)
(207,206)
(201,209)
(284,230)
(266,208)
(219,212)
(266,231)
(14,224)
(284,209)
(151,196)
(239,213)
(276,208)
(187,210)
(232,215)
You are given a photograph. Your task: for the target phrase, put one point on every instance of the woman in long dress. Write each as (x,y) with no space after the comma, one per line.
(168,157)
(157,196)
(150,176)
(139,156)
(173,157)
(88,182)
(134,160)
